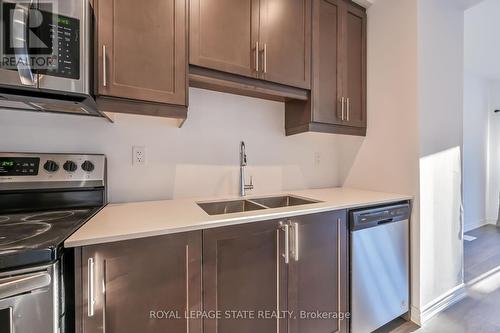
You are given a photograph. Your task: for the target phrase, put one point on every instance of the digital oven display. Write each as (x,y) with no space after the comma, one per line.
(19,166)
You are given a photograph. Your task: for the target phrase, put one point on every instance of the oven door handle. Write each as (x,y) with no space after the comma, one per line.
(20,36)
(17,285)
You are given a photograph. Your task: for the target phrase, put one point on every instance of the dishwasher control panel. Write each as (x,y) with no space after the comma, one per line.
(370,217)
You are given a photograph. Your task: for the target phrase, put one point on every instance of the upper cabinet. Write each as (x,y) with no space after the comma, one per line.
(310,54)
(267,40)
(285,42)
(354,69)
(141,52)
(224,35)
(338,92)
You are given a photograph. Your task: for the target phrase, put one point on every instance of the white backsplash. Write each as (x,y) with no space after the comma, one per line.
(200,159)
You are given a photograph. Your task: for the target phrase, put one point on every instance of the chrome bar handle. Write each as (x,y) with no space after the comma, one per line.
(278,282)
(104,67)
(104,274)
(295,227)
(20,36)
(342,103)
(187,289)
(348,108)
(90,287)
(257,57)
(265,58)
(286,228)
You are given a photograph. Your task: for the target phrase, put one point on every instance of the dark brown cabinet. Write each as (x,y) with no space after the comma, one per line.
(244,270)
(285,41)
(273,277)
(224,34)
(354,69)
(318,272)
(126,285)
(267,40)
(337,103)
(249,268)
(141,53)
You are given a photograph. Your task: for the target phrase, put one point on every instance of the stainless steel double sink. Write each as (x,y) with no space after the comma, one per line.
(245,205)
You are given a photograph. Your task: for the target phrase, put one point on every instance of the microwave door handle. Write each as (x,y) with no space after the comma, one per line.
(20,42)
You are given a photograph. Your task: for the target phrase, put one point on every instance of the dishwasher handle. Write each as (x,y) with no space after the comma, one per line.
(372,217)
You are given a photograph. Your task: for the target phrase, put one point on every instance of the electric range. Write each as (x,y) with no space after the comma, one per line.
(44,198)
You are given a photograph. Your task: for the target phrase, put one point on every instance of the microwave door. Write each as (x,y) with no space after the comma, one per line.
(15,65)
(67,24)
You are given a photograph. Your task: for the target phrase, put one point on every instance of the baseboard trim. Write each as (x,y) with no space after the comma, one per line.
(443,302)
(415,315)
(491,221)
(476,225)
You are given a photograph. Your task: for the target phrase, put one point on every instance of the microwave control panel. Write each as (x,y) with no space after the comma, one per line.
(63,34)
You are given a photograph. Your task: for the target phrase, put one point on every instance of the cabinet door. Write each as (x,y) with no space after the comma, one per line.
(285,39)
(132,282)
(327,79)
(223,35)
(142,50)
(354,64)
(318,272)
(244,270)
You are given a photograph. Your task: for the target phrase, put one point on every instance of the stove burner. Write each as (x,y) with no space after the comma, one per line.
(12,233)
(4,219)
(48,216)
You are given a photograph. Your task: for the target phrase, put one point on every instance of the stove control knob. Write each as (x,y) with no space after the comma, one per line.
(51,166)
(88,166)
(70,166)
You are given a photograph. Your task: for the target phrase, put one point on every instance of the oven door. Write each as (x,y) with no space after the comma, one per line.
(15,65)
(27,303)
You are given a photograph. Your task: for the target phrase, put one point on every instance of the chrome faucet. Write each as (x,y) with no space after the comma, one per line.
(243,163)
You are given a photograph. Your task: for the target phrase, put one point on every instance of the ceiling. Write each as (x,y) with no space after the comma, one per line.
(469,3)
(482,39)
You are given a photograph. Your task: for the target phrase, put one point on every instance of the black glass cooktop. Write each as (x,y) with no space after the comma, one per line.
(37,237)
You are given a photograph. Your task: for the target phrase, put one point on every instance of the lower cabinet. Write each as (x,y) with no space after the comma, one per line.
(318,273)
(144,285)
(276,276)
(291,275)
(244,271)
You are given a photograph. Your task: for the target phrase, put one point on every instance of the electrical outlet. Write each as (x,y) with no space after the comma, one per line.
(138,155)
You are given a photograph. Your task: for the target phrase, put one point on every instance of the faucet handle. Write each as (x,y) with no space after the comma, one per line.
(249,186)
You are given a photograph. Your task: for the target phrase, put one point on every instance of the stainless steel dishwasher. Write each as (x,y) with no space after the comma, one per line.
(379,266)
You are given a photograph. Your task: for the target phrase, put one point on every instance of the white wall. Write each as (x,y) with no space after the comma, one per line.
(475,159)
(414,139)
(201,159)
(482,96)
(387,159)
(493,188)
(440,44)
(483,40)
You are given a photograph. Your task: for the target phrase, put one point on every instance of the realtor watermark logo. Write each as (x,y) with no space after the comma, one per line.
(29,36)
(168,314)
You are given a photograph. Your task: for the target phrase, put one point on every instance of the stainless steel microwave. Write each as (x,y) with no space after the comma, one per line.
(46,56)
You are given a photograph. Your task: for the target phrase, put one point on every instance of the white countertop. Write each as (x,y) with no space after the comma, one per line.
(117,222)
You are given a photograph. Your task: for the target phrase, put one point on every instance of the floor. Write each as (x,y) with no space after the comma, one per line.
(479,312)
